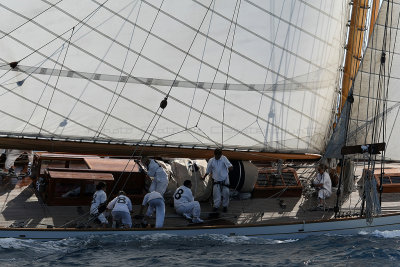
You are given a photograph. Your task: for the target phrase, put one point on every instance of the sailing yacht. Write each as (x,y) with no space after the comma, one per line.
(176,79)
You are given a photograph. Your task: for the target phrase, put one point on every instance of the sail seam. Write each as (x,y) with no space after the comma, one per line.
(231,103)
(236,52)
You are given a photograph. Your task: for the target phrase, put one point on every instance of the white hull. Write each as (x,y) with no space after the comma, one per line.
(285,231)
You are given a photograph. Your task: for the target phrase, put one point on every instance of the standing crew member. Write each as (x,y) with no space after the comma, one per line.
(121,210)
(184,202)
(156,203)
(219,166)
(99,204)
(323,184)
(160,181)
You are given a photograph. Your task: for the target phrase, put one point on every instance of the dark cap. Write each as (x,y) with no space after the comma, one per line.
(100,185)
(218,151)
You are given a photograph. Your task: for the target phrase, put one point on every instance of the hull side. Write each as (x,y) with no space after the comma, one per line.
(286,231)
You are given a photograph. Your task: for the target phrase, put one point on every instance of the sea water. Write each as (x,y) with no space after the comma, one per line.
(378,248)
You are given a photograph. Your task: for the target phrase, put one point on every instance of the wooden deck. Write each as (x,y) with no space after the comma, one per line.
(21,207)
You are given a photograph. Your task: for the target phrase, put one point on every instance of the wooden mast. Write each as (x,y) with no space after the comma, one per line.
(374,15)
(354,46)
(355,42)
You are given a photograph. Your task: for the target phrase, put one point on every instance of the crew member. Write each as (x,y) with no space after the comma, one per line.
(121,207)
(184,202)
(219,167)
(99,204)
(156,203)
(12,155)
(160,181)
(323,184)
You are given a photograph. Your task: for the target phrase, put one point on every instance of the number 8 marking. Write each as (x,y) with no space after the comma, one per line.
(178,194)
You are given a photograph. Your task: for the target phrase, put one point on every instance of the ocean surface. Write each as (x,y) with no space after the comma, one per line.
(381,248)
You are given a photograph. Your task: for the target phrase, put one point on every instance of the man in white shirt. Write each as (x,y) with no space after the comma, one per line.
(156,203)
(121,207)
(99,203)
(160,181)
(12,155)
(323,184)
(184,202)
(219,166)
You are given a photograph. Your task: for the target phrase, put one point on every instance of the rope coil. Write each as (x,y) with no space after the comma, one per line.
(372,204)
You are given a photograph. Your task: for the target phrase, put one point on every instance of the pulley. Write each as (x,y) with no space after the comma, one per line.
(350,98)
(14,64)
(383,58)
(163,103)
(21,82)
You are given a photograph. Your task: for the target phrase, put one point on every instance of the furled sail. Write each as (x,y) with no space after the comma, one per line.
(245,74)
(373,117)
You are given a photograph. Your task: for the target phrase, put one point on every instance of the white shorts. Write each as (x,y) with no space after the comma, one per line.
(323,193)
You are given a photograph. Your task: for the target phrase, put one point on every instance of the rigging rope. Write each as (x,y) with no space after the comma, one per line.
(31,19)
(97,67)
(57,36)
(86,127)
(137,59)
(58,78)
(191,44)
(208,116)
(229,65)
(154,88)
(242,132)
(109,111)
(201,63)
(372,207)
(41,95)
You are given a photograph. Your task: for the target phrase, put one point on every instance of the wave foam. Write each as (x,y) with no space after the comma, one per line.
(383,234)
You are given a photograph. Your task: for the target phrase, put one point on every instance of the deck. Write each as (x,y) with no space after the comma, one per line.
(21,207)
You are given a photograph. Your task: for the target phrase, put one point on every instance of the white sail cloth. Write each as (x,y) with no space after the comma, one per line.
(184,169)
(252,75)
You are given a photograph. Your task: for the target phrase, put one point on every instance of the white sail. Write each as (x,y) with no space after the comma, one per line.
(257,75)
(374,114)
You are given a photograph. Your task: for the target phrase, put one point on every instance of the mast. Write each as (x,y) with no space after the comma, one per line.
(353,59)
(374,15)
(354,46)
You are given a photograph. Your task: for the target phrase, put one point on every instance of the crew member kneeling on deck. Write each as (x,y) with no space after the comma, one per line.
(219,166)
(156,203)
(184,202)
(160,181)
(121,207)
(99,203)
(323,184)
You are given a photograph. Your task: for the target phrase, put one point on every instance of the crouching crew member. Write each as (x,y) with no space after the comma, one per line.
(323,184)
(160,181)
(99,204)
(121,207)
(184,203)
(219,167)
(156,203)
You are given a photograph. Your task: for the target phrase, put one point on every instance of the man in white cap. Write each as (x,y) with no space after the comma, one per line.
(184,202)
(219,167)
(160,181)
(121,207)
